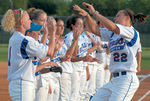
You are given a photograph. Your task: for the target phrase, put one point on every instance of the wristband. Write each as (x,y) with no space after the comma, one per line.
(95,13)
(86,15)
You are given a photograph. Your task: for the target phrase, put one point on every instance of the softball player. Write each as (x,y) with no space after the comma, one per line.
(77,22)
(21,72)
(124,42)
(106,60)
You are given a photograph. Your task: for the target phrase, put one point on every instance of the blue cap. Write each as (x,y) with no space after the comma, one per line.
(34,27)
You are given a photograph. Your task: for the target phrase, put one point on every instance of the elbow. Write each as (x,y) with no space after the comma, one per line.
(115,29)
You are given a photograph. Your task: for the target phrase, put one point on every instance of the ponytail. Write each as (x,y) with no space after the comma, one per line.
(141,17)
(8,22)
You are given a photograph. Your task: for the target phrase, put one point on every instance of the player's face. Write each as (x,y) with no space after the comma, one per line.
(35,34)
(41,19)
(79,24)
(26,20)
(120,18)
(60,27)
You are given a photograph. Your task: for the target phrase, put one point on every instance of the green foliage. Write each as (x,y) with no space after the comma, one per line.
(16,4)
(47,5)
(64,7)
(4,6)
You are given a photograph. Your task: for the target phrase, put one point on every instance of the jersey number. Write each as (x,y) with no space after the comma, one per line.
(118,59)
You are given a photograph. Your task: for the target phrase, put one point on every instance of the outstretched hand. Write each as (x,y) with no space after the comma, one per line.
(81,11)
(89,7)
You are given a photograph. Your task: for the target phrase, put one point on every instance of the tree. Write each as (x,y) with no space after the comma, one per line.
(47,5)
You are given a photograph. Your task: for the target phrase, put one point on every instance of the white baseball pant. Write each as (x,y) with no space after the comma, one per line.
(75,83)
(99,77)
(91,84)
(42,92)
(55,86)
(21,90)
(65,87)
(120,88)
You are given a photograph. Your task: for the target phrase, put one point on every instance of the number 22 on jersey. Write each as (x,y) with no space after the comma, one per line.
(122,57)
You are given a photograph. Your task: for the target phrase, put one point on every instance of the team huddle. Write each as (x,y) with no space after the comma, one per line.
(43,65)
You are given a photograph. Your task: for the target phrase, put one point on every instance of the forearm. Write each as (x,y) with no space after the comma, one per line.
(40,66)
(91,49)
(107,23)
(75,50)
(72,48)
(44,38)
(92,25)
(76,59)
(139,58)
(51,45)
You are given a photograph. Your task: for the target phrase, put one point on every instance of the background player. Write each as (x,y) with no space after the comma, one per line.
(124,42)
(21,72)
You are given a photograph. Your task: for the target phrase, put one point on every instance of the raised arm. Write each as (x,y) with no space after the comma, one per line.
(51,25)
(90,22)
(106,22)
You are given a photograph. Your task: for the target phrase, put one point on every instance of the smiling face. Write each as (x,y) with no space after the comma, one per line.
(42,18)
(121,18)
(78,24)
(60,27)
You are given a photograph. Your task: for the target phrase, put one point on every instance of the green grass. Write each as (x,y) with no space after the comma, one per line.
(3,52)
(145,63)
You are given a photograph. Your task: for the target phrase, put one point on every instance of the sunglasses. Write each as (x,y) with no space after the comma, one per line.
(19,10)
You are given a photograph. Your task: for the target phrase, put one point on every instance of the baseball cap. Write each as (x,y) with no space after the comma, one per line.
(34,27)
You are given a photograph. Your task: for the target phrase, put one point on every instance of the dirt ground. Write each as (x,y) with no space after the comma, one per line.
(142,94)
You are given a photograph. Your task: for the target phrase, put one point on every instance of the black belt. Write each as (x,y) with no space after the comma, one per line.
(119,73)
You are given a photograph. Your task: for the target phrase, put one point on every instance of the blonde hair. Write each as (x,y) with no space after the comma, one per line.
(8,22)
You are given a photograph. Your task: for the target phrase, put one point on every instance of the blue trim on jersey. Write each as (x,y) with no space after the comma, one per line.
(9,56)
(23,48)
(128,88)
(112,35)
(38,73)
(133,41)
(35,62)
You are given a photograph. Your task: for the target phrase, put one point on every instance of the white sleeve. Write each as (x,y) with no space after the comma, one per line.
(68,40)
(36,49)
(62,51)
(105,34)
(127,33)
(139,48)
(108,59)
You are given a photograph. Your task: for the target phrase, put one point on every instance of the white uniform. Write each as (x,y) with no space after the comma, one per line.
(123,65)
(22,62)
(93,66)
(77,66)
(100,75)
(49,78)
